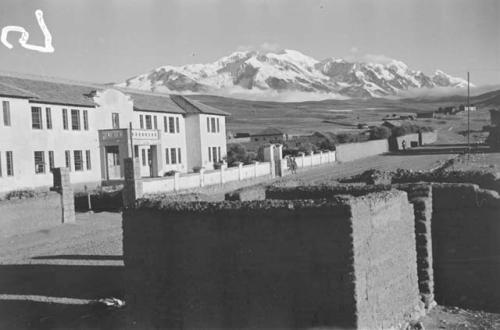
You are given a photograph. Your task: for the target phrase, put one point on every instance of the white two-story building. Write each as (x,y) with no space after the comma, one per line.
(90,129)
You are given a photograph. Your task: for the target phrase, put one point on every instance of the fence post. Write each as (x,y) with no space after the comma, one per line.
(255,169)
(240,171)
(311,153)
(321,157)
(202,177)
(222,175)
(62,184)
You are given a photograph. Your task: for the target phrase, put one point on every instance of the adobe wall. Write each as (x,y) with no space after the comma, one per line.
(288,264)
(427,137)
(419,195)
(351,151)
(466,246)
(411,140)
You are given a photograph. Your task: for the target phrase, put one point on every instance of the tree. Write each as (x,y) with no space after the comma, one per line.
(380,133)
(236,153)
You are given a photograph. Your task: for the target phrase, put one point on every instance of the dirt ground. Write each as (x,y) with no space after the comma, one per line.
(49,278)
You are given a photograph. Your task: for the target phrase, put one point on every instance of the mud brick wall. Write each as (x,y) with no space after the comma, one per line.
(351,151)
(466,246)
(288,264)
(427,137)
(419,195)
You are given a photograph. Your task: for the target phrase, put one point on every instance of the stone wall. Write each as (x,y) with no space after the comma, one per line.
(288,264)
(466,246)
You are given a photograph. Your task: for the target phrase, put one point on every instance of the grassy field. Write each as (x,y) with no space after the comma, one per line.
(344,115)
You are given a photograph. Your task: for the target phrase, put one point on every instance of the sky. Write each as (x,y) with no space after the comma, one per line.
(112,40)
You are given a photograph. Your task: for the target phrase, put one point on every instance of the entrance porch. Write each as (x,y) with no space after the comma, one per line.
(118,144)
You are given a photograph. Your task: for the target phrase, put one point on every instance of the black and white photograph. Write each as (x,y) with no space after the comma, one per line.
(250,164)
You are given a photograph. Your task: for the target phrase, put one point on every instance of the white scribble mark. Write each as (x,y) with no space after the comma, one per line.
(23,41)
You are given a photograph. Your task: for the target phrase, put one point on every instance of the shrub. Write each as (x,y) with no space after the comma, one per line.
(20,194)
(238,153)
(169,173)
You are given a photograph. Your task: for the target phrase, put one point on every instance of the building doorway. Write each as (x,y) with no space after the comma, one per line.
(113,163)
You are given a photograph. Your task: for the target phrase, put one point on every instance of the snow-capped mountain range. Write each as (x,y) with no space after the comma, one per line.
(257,73)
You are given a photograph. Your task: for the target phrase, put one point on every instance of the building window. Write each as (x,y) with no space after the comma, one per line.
(0,164)
(75,120)
(209,154)
(136,151)
(87,160)
(36,117)
(78,159)
(218,151)
(218,125)
(155,122)
(165,125)
(177,125)
(167,156)
(214,154)
(39,162)
(173,155)
(85,120)
(179,159)
(149,124)
(213,125)
(65,118)
(141,121)
(67,157)
(6,113)
(51,160)
(143,157)
(115,119)
(208,124)
(171,124)
(10,163)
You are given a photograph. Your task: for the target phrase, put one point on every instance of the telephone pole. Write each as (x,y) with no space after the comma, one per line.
(468,114)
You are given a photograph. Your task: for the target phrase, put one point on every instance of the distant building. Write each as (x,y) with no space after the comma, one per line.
(392,123)
(270,135)
(495,117)
(448,110)
(401,116)
(471,107)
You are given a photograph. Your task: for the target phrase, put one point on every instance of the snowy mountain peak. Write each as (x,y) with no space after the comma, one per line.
(273,73)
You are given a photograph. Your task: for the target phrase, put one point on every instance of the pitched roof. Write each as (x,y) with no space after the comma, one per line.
(46,90)
(269,131)
(64,92)
(160,103)
(196,107)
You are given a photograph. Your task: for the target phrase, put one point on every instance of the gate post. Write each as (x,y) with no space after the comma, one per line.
(62,185)
(132,188)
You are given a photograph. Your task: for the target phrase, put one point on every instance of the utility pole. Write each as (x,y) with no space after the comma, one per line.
(468,114)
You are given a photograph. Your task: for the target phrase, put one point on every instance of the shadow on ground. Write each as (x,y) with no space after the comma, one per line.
(50,284)
(78,257)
